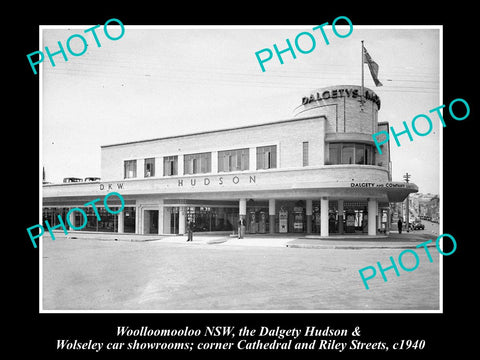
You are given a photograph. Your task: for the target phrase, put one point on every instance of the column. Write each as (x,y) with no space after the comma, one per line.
(181,220)
(271,215)
(379,217)
(242,208)
(138,226)
(387,225)
(252,158)
(140,168)
(309,213)
(242,212)
(146,220)
(214,163)
(158,166)
(340,216)
(160,217)
(372,217)
(71,220)
(180,165)
(324,216)
(121,222)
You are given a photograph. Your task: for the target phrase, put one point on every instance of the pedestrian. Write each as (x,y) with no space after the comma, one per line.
(400,224)
(240,229)
(190,231)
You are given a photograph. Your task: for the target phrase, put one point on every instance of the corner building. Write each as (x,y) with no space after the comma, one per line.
(316,173)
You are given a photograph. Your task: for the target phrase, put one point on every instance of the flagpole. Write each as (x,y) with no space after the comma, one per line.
(362,72)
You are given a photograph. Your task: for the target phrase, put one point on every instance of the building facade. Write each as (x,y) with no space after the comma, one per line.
(316,173)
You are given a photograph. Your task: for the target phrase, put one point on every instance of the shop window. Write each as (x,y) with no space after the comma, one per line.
(92,222)
(351,153)
(170,165)
(129,220)
(348,154)
(233,160)
(335,151)
(369,155)
(267,157)
(51,214)
(360,154)
(204,218)
(130,169)
(149,167)
(109,221)
(197,163)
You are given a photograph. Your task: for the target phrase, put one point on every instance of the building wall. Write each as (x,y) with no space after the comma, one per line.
(287,135)
(348,119)
(383,159)
(343,109)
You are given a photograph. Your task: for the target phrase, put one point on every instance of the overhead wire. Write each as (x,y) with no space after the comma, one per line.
(123,68)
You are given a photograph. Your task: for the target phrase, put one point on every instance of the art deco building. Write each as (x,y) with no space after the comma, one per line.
(316,173)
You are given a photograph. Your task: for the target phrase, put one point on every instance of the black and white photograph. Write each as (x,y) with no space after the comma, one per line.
(255,185)
(223,181)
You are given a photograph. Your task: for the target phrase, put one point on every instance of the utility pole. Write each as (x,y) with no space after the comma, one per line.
(407,179)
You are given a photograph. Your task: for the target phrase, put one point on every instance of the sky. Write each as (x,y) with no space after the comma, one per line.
(161,81)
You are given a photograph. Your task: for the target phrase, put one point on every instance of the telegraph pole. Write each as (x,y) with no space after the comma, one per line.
(407,179)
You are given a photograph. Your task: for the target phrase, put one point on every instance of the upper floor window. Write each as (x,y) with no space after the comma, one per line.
(267,157)
(197,163)
(170,165)
(149,168)
(130,169)
(351,153)
(305,153)
(233,160)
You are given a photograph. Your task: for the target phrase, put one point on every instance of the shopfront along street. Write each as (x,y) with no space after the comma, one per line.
(315,173)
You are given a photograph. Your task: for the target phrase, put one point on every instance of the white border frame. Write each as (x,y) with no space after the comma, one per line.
(40,245)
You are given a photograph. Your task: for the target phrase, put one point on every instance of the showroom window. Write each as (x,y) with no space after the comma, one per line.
(351,153)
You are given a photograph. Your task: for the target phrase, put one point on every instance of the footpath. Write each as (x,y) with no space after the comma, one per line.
(392,240)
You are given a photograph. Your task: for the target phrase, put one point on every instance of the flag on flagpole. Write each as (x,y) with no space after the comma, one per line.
(372,65)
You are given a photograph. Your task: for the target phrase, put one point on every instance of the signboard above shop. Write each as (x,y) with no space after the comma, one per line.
(330,181)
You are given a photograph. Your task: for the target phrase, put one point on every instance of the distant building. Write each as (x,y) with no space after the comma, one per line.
(421,206)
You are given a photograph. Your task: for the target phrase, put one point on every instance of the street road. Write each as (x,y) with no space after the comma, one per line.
(85,274)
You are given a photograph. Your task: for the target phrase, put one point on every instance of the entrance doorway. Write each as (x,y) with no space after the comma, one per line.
(354,217)
(150,224)
(174,214)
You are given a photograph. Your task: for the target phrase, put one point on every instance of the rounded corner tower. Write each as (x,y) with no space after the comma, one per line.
(349,116)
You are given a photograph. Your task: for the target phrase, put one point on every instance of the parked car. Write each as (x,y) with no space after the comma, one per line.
(89,179)
(418,225)
(72,179)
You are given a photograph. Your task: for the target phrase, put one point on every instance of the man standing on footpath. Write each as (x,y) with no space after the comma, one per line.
(190,231)
(400,224)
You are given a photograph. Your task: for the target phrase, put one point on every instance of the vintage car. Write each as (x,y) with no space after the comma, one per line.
(418,225)
(72,179)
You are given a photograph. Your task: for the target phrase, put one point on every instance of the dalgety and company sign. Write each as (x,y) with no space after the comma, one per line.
(368,185)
